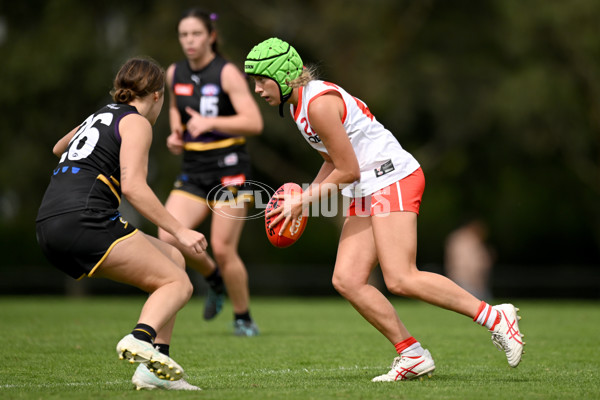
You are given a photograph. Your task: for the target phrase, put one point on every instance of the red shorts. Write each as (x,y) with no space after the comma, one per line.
(404,195)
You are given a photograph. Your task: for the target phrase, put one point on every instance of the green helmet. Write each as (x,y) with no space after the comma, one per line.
(277,60)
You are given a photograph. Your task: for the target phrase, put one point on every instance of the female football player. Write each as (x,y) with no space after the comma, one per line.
(385,182)
(82,233)
(211,112)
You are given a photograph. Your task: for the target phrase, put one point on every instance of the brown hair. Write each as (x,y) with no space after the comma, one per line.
(137,78)
(208,19)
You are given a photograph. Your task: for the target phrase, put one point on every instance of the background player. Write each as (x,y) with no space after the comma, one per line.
(211,111)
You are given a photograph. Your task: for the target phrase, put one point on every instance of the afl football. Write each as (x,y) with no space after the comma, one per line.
(294,229)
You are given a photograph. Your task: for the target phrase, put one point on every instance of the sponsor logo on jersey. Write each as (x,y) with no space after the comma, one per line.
(233,180)
(183,89)
(385,168)
(229,160)
(210,89)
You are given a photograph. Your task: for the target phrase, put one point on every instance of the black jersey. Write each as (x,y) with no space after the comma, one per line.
(202,91)
(88,174)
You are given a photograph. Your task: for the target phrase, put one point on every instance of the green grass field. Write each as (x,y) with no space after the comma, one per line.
(64,348)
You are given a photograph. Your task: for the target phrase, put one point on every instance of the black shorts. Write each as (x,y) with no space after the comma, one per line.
(214,176)
(78,242)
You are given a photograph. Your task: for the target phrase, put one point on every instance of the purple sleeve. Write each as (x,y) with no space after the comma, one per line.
(117,133)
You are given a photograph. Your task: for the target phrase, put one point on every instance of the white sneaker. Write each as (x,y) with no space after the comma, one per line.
(134,350)
(404,368)
(506,335)
(144,379)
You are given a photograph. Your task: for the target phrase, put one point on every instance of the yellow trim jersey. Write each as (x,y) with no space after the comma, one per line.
(88,174)
(201,90)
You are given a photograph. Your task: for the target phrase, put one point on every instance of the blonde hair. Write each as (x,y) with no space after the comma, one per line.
(309,73)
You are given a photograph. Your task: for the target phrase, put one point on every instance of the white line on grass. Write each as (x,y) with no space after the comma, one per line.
(302,370)
(254,372)
(65,384)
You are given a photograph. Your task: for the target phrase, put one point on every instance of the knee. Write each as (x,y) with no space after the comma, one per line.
(404,287)
(222,251)
(337,284)
(176,281)
(187,289)
(343,286)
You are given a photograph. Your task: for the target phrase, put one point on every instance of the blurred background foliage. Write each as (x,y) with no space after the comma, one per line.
(499,100)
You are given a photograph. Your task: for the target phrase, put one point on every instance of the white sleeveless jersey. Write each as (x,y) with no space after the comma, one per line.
(381,159)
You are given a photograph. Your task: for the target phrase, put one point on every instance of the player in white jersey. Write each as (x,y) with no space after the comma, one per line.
(381,159)
(386,184)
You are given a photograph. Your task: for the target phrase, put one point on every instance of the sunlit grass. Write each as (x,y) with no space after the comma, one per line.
(63,348)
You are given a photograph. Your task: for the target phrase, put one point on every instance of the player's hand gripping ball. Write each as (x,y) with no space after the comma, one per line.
(294,229)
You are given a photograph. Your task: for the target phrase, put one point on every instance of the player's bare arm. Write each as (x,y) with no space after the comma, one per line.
(325,114)
(136,134)
(61,146)
(175,139)
(247,120)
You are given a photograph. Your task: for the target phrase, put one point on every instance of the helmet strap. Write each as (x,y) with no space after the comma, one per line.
(284,99)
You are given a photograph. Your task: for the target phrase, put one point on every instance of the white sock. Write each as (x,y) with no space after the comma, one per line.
(487,316)
(414,350)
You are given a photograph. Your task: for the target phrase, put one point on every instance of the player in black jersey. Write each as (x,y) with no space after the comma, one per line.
(211,113)
(81,232)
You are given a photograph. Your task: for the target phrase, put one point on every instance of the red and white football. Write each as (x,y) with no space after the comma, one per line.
(294,229)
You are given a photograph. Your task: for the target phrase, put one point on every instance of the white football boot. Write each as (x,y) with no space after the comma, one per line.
(134,350)
(144,379)
(405,368)
(506,334)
